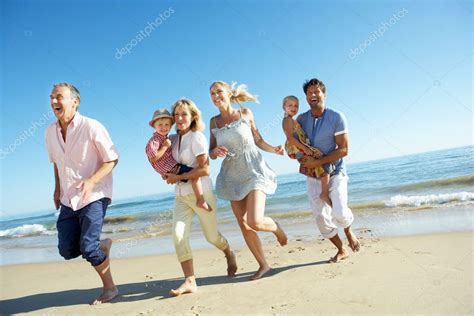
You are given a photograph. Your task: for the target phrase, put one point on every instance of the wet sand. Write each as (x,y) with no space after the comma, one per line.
(408,274)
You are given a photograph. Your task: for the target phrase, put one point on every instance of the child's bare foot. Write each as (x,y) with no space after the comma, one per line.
(325,198)
(203,204)
(107,295)
(340,255)
(231,265)
(261,272)
(280,235)
(188,286)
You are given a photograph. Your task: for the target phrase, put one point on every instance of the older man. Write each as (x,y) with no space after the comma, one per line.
(327,131)
(83,156)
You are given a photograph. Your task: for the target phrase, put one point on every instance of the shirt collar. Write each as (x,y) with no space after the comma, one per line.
(75,121)
(319,117)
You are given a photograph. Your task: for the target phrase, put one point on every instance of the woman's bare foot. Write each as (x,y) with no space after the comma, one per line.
(354,243)
(203,204)
(188,286)
(107,295)
(326,199)
(280,235)
(261,272)
(340,255)
(231,265)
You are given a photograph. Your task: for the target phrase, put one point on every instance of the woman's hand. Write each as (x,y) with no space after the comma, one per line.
(172,178)
(220,151)
(279,150)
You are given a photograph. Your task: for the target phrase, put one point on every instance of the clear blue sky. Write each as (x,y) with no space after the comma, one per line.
(404,82)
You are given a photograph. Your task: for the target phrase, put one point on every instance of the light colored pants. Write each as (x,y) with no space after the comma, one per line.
(184,210)
(328,218)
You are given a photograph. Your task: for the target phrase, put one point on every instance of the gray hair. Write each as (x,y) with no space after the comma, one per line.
(74,91)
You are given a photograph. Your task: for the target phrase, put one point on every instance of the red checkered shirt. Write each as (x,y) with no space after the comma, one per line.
(166,163)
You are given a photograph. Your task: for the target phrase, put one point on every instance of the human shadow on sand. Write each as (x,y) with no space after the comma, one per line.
(157,289)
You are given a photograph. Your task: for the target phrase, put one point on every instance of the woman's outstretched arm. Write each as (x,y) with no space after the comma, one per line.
(258,138)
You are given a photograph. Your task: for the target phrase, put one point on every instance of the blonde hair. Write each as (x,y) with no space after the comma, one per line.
(238,93)
(196,122)
(289,97)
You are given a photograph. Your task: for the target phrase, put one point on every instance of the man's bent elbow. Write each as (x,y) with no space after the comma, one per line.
(344,151)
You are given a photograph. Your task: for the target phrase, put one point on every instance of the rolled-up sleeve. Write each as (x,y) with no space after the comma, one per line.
(103,143)
(341,125)
(199,145)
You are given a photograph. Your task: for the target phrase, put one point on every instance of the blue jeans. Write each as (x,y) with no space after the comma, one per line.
(79,231)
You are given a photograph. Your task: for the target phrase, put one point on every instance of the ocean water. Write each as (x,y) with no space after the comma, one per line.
(439,181)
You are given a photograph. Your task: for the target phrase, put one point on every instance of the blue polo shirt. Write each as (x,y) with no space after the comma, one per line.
(322,131)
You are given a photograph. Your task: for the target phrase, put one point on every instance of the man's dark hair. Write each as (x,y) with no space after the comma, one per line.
(314,82)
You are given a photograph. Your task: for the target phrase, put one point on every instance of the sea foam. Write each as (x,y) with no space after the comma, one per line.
(25,230)
(417,200)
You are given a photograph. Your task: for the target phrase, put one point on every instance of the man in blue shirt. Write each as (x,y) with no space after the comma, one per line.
(327,131)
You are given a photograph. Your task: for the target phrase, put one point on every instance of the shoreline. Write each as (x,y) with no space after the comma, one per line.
(441,219)
(382,223)
(404,274)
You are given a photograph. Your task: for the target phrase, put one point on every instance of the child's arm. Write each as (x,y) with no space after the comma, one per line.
(166,145)
(288,129)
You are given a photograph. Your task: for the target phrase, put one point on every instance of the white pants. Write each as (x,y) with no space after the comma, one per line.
(327,218)
(184,210)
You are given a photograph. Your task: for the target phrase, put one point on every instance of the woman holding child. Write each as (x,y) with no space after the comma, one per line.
(244,179)
(189,148)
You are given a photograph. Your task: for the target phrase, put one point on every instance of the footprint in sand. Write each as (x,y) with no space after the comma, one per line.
(422,253)
(329,275)
(297,248)
(196,310)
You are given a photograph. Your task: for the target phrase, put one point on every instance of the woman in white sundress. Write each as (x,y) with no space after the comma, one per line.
(245,179)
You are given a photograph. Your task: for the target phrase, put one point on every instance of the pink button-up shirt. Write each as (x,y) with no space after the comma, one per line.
(88,145)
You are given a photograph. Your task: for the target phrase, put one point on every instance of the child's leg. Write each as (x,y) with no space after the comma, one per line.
(325,189)
(197,189)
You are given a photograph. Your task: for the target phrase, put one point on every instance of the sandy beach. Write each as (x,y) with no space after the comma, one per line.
(410,274)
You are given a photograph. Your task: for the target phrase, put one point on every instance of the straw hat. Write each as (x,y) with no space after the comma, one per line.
(160,113)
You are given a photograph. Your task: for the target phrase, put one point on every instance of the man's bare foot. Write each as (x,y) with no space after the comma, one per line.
(231,265)
(280,235)
(188,286)
(203,204)
(340,255)
(261,272)
(105,245)
(325,198)
(354,243)
(106,296)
